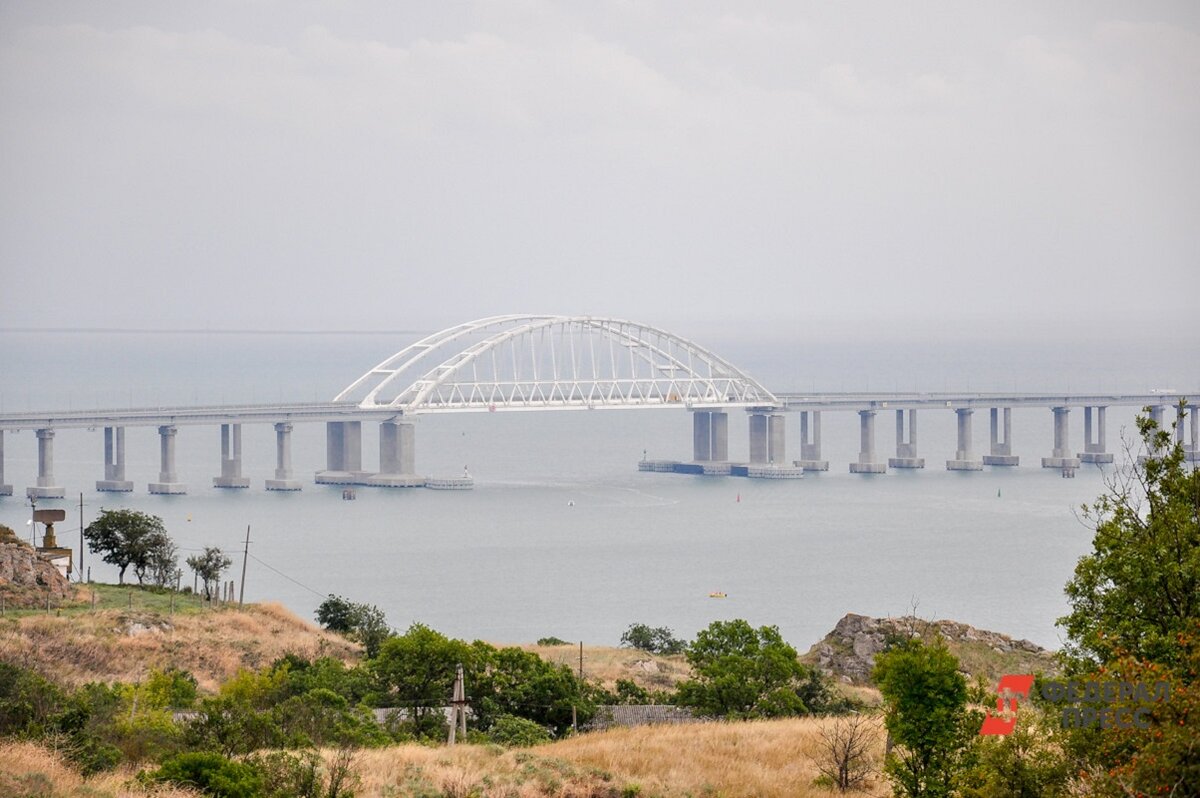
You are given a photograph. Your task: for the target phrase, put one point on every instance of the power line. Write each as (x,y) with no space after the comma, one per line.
(290,579)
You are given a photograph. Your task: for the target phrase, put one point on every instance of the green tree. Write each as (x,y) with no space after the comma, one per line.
(654,640)
(365,623)
(1135,618)
(743,672)
(1139,589)
(926,715)
(128,537)
(209,566)
(512,681)
(416,670)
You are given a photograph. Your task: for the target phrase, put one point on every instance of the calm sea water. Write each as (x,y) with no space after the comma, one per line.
(562,536)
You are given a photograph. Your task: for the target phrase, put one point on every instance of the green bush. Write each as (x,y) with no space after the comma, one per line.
(212,774)
(517,732)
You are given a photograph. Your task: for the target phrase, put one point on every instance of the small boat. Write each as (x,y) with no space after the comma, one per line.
(718,594)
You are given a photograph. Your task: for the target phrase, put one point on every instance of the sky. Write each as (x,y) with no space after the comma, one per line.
(883,168)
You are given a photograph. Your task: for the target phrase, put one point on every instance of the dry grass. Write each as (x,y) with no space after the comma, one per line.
(768,759)
(116,645)
(606,664)
(30,771)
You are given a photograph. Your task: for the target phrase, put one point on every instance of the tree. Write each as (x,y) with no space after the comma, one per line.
(743,672)
(844,754)
(417,671)
(660,640)
(163,563)
(926,716)
(1139,589)
(365,623)
(1135,619)
(209,566)
(129,537)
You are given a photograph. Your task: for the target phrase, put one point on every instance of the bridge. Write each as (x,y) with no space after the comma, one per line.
(542,362)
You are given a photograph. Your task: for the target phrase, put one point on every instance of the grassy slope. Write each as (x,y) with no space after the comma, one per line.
(30,771)
(770,759)
(119,645)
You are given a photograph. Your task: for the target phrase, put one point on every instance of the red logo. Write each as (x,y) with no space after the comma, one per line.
(1014,687)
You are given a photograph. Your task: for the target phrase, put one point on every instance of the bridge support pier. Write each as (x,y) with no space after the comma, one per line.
(1191,451)
(168,481)
(1000,452)
(114,463)
(866,455)
(1061,456)
(810,443)
(906,446)
(231,459)
(710,441)
(343,454)
(397,457)
(1094,447)
(284,480)
(759,446)
(5,490)
(45,489)
(962,456)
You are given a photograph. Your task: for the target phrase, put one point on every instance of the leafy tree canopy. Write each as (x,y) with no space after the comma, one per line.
(1139,588)
(130,537)
(743,672)
(659,640)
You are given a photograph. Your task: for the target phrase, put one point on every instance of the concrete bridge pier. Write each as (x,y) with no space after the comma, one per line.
(963,461)
(5,490)
(231,459)
(168,481)
(343,454)
(1000,452)
(776,439)
(906,445)
(284,479)
(1061,456)
(1094,447)
(397,457)
(1156,415)
(1191,451)
(759,445)
(45,489)
(810,442)
(710,440)
(114,463)
(866,455)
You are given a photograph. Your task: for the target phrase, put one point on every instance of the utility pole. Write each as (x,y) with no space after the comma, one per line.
(245,556)
(458,704)
(581,660)
(81,537)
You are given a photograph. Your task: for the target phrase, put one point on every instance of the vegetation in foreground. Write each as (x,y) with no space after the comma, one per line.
(1133,621)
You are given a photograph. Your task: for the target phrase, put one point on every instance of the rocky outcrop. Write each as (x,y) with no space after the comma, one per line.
(848,652)
(25,577)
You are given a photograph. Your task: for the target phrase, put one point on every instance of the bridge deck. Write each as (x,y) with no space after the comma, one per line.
(347,411)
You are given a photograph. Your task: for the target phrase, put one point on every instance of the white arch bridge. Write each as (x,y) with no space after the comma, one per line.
(545,362)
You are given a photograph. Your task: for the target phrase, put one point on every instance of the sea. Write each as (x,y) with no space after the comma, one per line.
(562,535)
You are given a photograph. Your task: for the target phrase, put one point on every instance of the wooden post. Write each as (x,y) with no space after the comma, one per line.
(131,599)
(458,715)
(245,556)
(581,660)
(172,604)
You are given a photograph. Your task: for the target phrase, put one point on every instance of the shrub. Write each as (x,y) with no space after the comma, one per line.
(517,732)
(212,774)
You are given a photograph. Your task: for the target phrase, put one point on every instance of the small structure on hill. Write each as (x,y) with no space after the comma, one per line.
(60,557)
(610,716)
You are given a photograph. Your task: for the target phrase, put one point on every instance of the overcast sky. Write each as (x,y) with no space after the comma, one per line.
(777,166)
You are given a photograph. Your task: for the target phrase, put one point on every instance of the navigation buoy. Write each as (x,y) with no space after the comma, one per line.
(571,503)
(739,497)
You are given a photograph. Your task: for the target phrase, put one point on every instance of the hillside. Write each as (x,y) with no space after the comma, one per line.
(848,652)
(767,759)
(122,645)
(607,664)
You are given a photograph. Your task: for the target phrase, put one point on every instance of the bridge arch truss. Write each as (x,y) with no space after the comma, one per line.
(534,362)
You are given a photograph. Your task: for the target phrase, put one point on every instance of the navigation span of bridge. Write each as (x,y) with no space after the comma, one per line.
(523,363)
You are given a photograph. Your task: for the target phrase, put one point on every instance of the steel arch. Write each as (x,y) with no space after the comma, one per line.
(534,362)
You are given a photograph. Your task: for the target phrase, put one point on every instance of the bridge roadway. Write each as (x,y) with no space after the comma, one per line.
(767,456)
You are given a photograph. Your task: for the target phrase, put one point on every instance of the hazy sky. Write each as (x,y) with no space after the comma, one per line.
(786,166)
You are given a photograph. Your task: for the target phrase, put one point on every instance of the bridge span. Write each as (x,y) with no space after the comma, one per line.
(538,363)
